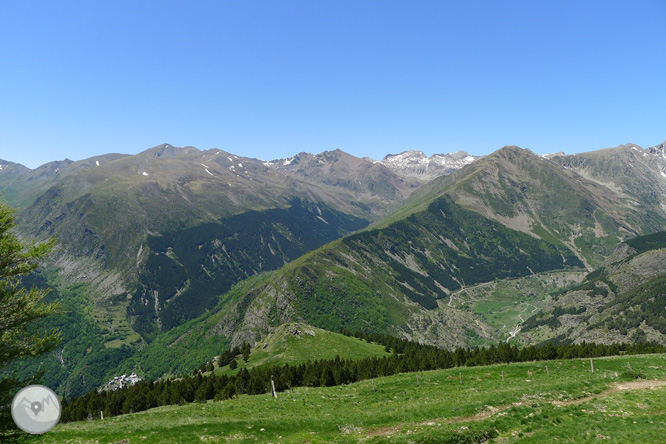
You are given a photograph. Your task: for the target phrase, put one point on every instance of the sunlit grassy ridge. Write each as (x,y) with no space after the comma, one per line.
(566,402)
(297,343)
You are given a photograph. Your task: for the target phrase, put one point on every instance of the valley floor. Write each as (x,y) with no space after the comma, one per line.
(547,401)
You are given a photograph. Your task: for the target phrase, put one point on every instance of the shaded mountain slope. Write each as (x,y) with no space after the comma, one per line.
(387,279)
(188,269)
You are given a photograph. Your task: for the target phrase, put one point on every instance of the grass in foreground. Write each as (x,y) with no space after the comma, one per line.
(570,405)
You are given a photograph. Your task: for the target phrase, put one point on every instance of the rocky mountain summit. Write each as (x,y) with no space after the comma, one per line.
(417,165)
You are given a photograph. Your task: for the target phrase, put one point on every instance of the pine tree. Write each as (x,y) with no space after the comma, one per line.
(327,379)
(245,350)
(225,358)
(20,308)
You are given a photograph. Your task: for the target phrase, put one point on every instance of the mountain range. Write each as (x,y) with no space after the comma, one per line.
(168,256)
(417,165)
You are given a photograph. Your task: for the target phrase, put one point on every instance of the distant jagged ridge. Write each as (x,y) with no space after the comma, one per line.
(416,164)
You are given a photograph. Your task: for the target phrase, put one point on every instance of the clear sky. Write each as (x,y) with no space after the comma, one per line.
(269,79)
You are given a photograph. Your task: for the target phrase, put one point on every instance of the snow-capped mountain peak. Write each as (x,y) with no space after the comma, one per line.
(415,163)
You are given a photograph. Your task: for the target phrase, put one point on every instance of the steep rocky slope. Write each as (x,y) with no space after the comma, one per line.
(637,175)
(623,300)
(370,182)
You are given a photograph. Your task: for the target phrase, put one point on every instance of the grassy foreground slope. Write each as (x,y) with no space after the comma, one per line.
(566,402)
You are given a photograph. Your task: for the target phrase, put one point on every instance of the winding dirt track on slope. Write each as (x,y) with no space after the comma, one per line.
(490,410)
(641,384)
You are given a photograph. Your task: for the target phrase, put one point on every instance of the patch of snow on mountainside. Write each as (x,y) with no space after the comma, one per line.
(551,155)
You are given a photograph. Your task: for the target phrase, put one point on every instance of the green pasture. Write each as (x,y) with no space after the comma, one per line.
(547,401)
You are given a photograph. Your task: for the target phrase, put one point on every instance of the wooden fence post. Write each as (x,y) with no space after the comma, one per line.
(274,393)
(592,365)
(502,375)
(418,381)
(547,371)
(461,378)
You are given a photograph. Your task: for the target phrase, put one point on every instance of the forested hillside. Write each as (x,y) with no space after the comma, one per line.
(624,300)
(189,269)
(386,279)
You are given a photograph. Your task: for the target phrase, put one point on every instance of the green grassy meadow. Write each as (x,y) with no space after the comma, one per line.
(284,347)
(570,404)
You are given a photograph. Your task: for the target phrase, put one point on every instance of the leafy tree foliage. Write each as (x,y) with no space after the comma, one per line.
(20,308)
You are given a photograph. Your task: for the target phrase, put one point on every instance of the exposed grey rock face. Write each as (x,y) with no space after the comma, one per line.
(619,302)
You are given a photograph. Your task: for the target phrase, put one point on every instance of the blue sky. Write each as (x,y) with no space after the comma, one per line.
(270,79)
